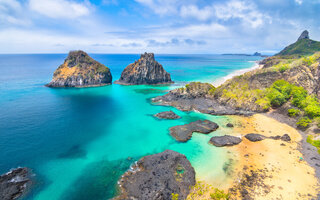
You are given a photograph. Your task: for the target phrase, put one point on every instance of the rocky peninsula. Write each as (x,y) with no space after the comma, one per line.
(14,183)
(145,71)
(160,176)
(80,70)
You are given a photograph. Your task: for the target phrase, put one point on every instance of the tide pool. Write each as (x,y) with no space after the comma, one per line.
(79,141)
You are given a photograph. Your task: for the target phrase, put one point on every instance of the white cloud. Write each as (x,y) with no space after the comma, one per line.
(10,13)
(243,10)
(195,12)
(299,1)
(161,7)
(59,8)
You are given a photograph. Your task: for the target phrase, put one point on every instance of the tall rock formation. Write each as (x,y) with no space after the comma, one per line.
(145,71)
(80,70)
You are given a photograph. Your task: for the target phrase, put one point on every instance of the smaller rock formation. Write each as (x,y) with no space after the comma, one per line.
(157,177)
(14,183)
(285,138)
(183,133)
(80,70)
(167,115)
(145,71)
(304,35)
(226,140)
(254,137)
(257,54)
(230,125)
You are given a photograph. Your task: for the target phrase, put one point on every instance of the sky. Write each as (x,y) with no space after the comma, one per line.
(159,26)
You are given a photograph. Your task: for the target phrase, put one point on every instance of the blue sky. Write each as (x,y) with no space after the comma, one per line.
(160,26)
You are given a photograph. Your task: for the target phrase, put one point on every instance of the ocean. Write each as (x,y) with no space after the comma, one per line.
(78,141)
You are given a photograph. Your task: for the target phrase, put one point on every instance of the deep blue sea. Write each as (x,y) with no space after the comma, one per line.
(78,142)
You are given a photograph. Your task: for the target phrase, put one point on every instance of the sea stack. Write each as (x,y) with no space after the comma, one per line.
(145,71)
(80,70)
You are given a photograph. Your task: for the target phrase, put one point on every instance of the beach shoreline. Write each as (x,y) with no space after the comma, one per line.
(239,72)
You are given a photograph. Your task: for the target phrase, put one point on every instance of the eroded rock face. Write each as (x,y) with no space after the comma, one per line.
(157,177)
(80,70)
(184,133)
(167,115)
(145,71)
(304,35)
(14,183)
(226,140)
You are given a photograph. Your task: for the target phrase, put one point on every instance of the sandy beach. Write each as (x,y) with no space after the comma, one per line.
(268,169)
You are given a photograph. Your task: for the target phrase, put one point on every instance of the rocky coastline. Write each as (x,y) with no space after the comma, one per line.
(15,183)
(159,176)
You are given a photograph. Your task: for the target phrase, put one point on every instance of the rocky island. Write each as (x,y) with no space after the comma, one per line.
(80,70)
(145,71)
(159,176)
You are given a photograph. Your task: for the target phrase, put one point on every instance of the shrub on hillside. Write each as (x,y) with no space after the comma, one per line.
(304,123)
(293,112)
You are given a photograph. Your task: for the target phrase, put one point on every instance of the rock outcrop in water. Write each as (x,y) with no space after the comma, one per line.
(80,70)
(14,183)
(167,115)
(145,71)
(157,177)
(226,140)
(183,133)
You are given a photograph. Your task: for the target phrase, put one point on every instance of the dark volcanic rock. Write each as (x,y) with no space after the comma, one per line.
(157,176)
(80,70)
(226,140)
(14,183)
(167,115)
(145,71)
(230,125)
(253,137)
(183,133)
(285,138)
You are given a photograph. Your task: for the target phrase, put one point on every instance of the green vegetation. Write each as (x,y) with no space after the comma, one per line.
(219,195)
(293,112)
(313,142)
(202,190)
(301,47)
(303,123)
(174,196)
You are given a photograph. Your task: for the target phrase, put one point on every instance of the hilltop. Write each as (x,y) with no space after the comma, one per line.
(303,46)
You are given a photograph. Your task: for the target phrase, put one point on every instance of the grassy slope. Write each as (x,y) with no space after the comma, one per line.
(301,47)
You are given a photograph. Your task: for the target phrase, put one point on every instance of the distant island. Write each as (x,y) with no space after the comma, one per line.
(243,54)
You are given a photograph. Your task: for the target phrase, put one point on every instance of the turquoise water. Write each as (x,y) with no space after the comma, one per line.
(79,141)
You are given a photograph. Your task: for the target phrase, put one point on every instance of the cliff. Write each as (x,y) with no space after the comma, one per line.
(80,70)
(145,71)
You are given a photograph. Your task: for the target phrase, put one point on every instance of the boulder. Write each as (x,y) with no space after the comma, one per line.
(285,138)
(157,177)
(14,183)
(226,140)
(183,133)
(230,125)
(254,137)
(80,70)
(145,71)
(167,115)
